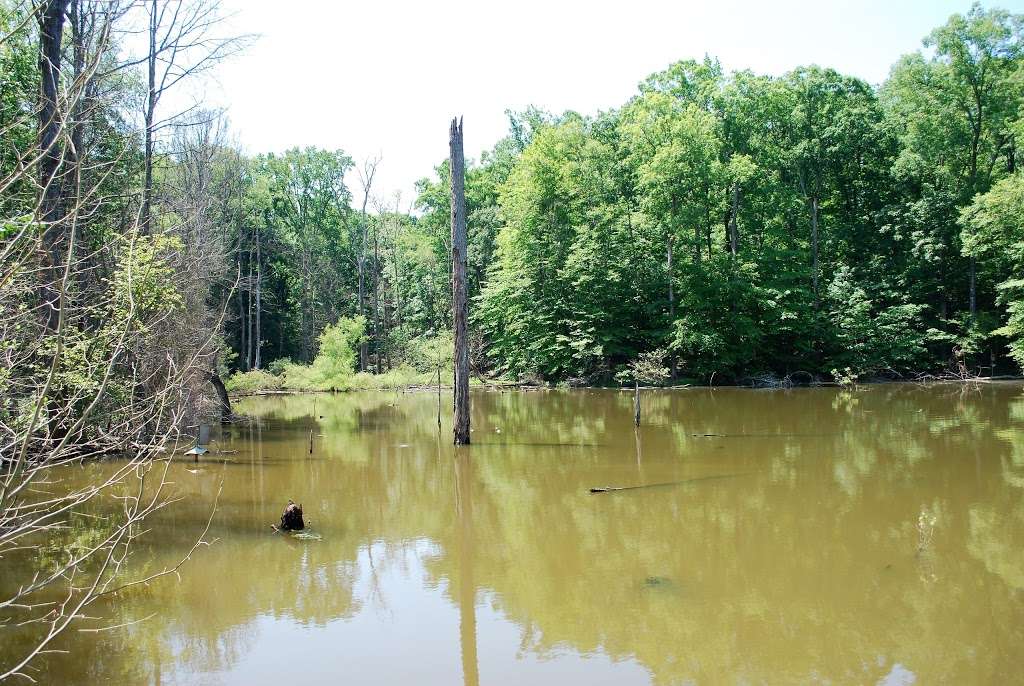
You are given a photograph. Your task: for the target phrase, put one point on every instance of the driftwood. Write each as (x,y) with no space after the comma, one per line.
(291,518)
(610,489)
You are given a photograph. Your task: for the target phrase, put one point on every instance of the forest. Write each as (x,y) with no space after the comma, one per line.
(743,225)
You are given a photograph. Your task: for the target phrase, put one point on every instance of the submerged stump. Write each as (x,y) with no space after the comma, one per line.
(291,518)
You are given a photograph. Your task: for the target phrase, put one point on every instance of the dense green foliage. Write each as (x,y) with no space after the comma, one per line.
(753,224)
(749,225)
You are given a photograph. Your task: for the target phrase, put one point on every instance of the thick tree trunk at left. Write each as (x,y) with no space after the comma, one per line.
(51,31)
(460,307)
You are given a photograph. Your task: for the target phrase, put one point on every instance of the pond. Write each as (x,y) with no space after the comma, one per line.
(817,535)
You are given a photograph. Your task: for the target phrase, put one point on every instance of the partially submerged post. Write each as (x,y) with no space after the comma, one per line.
(649,368)
(291,518)
(636,403)
(460,305)
(202,440)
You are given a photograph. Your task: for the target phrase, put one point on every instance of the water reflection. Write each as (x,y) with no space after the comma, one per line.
(494,563)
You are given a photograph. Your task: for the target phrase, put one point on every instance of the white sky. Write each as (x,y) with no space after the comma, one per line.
(385,77)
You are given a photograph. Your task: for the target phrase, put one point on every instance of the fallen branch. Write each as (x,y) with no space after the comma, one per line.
(609,489)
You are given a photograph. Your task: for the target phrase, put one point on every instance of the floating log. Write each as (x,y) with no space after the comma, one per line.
(609,489)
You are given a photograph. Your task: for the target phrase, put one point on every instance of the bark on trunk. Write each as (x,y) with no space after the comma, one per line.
(378,340)
(242,328)
(671,303)
(734,229)
(364,351)
(51,31)
(814,245)
(249,322)
(77,123)
(222,396)
(147,188)
(460,308)
(973,287)
(259,333)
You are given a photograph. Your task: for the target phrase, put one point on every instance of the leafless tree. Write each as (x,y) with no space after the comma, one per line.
(361,243)
(108,343)
(183,41)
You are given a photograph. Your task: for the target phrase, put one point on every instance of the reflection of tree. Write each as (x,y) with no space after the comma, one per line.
(795,571)
(997,522)
(467,588)
(800,566)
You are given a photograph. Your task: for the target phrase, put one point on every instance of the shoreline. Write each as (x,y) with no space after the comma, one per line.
(532,387)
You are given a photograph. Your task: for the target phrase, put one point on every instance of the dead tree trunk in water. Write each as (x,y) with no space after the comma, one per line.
(460,307)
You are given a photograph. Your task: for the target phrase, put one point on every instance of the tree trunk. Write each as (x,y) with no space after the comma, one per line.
(77,123)
(460,307)
(671,303)
(222,396)
(51,31)
(814,245)
(259,333)
(376,299)
(242,328)
(364,351)
(697,239)
(147,189)
(973,287)
(249,322)
(734,229)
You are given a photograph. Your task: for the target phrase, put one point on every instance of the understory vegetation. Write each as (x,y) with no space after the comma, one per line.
(426,361)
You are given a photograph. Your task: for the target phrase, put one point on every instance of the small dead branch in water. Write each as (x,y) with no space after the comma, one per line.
(610,489)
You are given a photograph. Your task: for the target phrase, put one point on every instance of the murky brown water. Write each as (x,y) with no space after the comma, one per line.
(783,547)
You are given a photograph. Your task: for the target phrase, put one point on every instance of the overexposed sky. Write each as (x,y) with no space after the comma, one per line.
(385,77)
